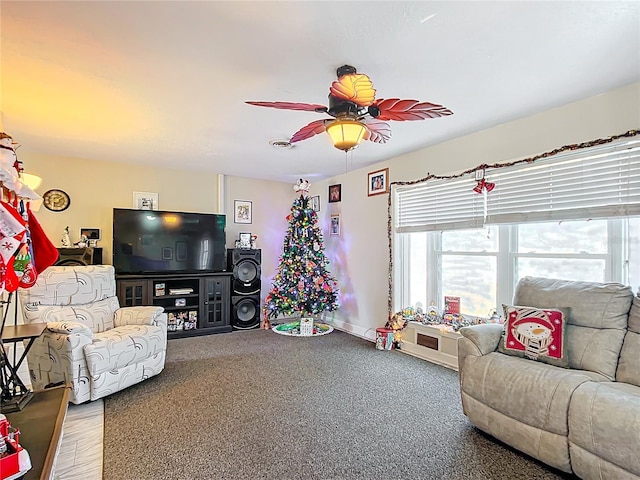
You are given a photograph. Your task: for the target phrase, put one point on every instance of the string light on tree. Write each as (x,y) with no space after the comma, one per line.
(302,284)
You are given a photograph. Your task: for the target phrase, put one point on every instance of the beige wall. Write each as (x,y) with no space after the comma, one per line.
(360,256)
(97,187)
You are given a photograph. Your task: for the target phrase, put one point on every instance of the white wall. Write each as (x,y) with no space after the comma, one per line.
(360,256)
(271,203)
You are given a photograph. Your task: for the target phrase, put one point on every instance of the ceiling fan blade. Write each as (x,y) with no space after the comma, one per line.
(356,88)
(401,110)
(310,107)
(309,130)
(377,131)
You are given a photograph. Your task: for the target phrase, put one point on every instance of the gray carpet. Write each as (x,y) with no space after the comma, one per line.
(257,405)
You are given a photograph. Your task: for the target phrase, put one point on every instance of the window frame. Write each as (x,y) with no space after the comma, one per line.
(507,255)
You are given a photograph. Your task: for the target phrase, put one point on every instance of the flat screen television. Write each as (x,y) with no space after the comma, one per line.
(155,242)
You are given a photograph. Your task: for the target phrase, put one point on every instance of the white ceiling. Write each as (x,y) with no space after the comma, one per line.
(164,83)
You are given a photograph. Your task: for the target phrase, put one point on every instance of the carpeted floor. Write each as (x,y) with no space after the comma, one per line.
(257,405)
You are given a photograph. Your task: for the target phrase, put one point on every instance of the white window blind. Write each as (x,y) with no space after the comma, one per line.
(438,205)
(595,182)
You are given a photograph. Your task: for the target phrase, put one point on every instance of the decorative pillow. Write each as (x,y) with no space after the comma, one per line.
(536,334)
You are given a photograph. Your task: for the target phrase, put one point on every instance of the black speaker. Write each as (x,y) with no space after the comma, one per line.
(79,256)
(245,265)
(245,311)
(245,287)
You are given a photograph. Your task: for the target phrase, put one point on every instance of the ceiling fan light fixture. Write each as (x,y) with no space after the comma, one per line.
(346,134)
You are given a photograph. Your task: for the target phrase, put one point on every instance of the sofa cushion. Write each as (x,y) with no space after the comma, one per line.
(97,316)
(597,321)
(536,334)
(122,346)
(533,393)
(629,364)
(604,420)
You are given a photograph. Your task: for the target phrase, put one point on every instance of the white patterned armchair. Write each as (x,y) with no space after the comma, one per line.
(90,343)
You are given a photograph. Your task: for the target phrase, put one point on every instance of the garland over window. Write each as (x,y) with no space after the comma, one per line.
(595,179)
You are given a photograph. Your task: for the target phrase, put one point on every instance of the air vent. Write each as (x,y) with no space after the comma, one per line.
(280,144)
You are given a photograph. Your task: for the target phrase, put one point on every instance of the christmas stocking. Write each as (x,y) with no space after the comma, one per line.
(23,264)
(44,251)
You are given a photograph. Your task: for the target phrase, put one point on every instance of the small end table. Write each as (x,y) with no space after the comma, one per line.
(15,395)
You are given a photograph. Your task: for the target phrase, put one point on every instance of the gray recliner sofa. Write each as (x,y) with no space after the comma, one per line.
(584,419)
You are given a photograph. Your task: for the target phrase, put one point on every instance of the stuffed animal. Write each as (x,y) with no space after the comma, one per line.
(302,187)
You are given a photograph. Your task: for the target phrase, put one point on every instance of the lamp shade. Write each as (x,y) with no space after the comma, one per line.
(30,180)
(346,133)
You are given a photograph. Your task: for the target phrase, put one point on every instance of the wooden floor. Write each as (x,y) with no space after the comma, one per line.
(80,455)
(81,450)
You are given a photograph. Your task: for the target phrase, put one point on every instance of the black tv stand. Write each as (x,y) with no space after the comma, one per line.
(196,303)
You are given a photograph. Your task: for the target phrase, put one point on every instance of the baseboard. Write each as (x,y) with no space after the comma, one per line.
(356,330)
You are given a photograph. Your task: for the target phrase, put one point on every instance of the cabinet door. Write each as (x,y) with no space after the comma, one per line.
(215,302)
(132,293)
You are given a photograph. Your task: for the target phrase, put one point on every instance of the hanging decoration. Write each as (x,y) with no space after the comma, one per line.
(484,187)
(25,250)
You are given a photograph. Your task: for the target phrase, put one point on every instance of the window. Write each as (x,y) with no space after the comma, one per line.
(574,217)
(482,266)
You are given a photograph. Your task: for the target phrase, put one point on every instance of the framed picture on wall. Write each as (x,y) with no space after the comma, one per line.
(378,182)
(242,211)
(145,201)
(314,203)
(335,193)
(334,228)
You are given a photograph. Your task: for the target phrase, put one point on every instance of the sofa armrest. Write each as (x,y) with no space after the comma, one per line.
(485,337)
(476,341)
(141,315)
(58,356)
(70,328)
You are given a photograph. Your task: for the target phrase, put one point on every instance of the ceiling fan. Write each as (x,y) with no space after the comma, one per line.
(357,114)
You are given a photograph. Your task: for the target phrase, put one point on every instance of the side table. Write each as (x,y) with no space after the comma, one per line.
(40,424)
(15,395)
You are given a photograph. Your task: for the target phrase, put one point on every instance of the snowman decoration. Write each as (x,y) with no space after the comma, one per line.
(535,332)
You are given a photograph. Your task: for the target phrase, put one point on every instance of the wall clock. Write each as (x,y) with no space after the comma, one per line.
(56,200)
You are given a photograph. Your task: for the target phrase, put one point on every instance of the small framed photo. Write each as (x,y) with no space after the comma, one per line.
(378,182)
(181,302)
(335,193)
(245,240)
(90,233)
(335,224)
(242,211)
(167,253)
(145,201)
(314,203)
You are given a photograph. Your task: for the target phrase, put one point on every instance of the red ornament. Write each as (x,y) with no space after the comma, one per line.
(484,185)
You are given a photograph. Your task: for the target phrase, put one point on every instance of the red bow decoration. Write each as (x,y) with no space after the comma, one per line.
(484,185)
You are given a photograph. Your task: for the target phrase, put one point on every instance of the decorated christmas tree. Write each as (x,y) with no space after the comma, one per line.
(302,284)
